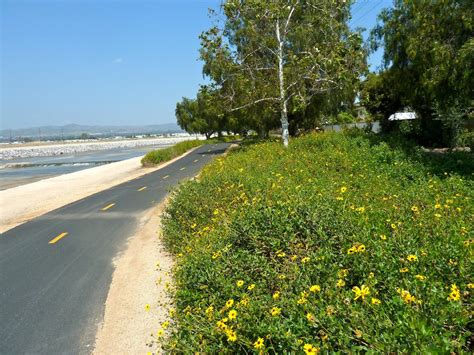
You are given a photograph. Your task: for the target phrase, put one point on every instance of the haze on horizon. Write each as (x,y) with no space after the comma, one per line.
(106,62)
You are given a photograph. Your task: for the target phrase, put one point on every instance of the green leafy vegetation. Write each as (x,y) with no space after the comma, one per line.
(275,64)
(161,155)
(341,242)
(428,56)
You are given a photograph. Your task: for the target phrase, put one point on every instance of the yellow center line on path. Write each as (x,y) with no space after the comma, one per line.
(166,177)
(54,240)
(108,206)
(196,161)
(182,168)
(142,188)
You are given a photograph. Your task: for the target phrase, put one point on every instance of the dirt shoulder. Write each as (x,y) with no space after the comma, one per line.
(23,203)
(137,281)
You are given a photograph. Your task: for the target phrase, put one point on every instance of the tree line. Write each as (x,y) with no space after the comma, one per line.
(295,64)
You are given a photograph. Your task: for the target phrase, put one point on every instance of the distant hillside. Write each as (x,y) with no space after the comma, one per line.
(75,130)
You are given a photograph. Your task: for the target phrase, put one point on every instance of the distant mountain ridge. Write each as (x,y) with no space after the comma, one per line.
(98,130)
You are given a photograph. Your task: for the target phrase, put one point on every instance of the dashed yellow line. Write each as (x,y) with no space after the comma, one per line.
(108,206)
(182,168)
(196,161)
(166,177)
(141,188)
(54,240)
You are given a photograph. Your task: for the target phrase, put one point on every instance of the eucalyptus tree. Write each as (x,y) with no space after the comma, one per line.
(281,53)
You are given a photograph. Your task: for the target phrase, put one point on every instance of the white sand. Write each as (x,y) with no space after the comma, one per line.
(23,203)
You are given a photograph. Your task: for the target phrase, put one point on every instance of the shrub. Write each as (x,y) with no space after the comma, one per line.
(161,155)
(156,157)
(342,242)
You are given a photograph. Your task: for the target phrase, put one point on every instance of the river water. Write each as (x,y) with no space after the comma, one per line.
(16,172)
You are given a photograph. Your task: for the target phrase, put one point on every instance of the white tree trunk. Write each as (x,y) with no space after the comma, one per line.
(281,80)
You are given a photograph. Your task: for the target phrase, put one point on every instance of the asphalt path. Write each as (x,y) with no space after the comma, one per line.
(55,271)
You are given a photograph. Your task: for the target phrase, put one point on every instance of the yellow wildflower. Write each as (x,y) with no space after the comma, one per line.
(361,248)
(351,250)
(407,296)
(305,260)
(339,198)
(360,292)
(251,287)
(315,288)
(340,283)
(276,295)
(275,311)
(375,301)
(240,283)
(147,307)
(231,335)
(244,301)
(310,349)
(393,226)
(160,333)
(405,269)
(229,303)
(343,273)
(165,325)
(455,294)
(280,254)
(420,277)
(258,344)
(343,189)
(383,236)
(302,300)
(412,257)
(232,314)
(437,206)
(221,325)
(414,209)
(310,317)
(470,285)
(437,215)
(209,310)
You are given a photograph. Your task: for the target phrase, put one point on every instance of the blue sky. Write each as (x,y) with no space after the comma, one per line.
(107,61)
